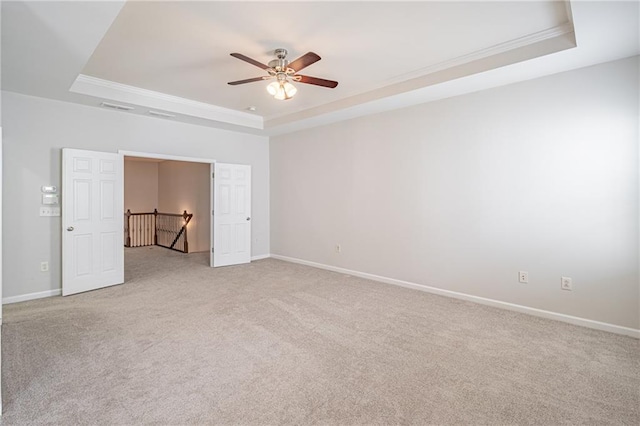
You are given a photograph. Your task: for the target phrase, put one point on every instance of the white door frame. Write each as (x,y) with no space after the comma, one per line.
(165,157)
(170,157)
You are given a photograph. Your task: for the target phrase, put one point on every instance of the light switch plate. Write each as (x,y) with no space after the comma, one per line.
(49,198)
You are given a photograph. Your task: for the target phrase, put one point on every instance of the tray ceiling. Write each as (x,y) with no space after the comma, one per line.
(174,56)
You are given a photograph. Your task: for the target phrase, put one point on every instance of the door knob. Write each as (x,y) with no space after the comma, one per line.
(248,218)
(70,228)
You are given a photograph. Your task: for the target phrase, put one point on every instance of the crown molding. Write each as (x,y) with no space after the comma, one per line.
(498,49)
(105,89)
(535,45)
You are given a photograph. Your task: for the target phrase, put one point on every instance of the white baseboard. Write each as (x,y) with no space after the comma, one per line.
(31,296)
(58,292)
(260,257)
(597,325)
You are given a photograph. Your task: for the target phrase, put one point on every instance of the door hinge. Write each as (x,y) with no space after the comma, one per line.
(211,250)
(213,175)
(212,212)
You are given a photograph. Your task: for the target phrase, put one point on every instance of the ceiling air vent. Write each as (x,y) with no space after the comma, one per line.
(160,114)
(116,106)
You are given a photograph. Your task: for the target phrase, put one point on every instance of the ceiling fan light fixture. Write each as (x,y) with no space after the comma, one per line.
(281,95)
(289,89)
(273,88)
(282,90)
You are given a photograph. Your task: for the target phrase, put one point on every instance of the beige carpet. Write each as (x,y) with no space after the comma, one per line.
(278,343)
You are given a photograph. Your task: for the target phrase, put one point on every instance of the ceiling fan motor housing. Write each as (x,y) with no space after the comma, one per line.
(280,64)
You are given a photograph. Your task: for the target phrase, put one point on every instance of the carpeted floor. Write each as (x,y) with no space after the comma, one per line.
(279,343)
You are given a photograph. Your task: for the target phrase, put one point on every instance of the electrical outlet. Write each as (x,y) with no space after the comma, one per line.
(44,266)
(566,283)
(338,248)
(523,276)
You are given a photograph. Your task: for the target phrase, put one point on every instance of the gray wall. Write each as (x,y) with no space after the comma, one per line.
(462,193)
(36,129)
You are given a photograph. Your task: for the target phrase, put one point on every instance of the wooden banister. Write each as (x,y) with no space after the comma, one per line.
(167,230)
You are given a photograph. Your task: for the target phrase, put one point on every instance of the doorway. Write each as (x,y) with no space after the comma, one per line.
(93,215)
(157,189)
(157,194)
(167,214)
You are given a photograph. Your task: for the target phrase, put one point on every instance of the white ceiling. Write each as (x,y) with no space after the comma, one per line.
(183,49)
(174,56)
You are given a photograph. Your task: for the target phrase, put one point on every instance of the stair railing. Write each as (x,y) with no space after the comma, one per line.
(167,230)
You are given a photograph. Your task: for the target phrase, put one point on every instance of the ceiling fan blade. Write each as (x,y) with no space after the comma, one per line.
(251,61)
(304,61)
(317,81)
(248,80)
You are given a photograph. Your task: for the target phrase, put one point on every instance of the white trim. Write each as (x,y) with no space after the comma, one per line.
(165,156)
(212,173)
(260,257)
(567,8)
(497,49)
(597,325)
(153,100)
(105,89)
(31,296)
(409,88)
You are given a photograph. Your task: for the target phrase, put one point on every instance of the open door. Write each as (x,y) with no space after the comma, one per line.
(231,214)
(92,220)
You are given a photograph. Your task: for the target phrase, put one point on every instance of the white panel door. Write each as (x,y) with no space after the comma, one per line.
(92,220)
(231,214)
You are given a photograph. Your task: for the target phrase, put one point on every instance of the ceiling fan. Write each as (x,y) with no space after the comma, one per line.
(283,71)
